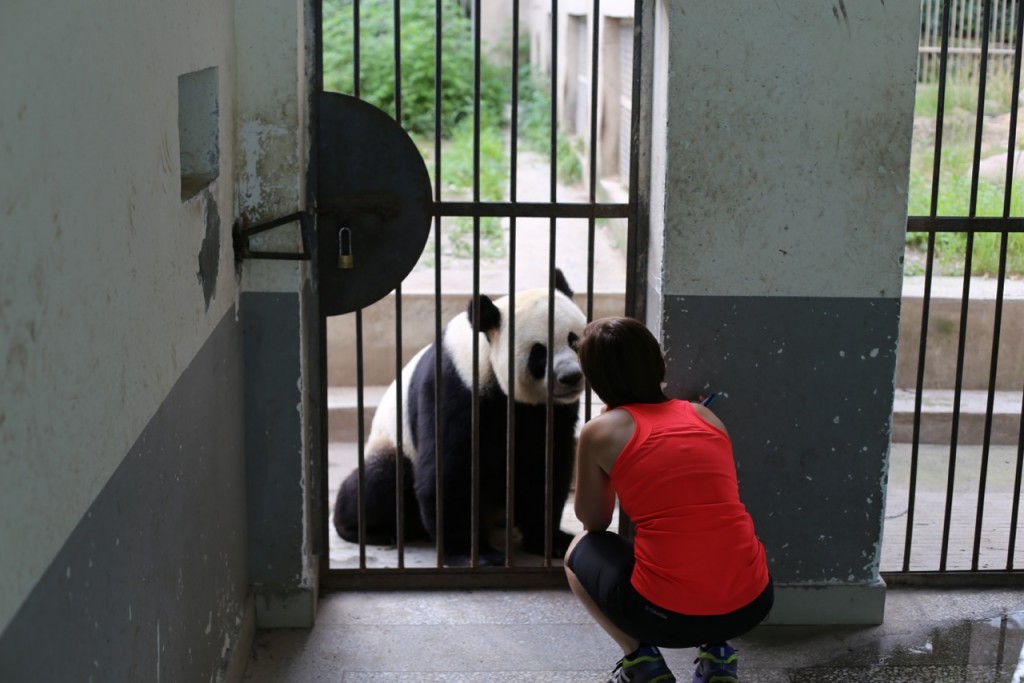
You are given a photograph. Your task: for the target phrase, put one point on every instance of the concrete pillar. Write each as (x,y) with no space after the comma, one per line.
(780,159)
(278,308)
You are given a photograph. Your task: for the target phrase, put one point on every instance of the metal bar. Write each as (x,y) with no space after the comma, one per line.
(999,52)
(549,422)
(513,190)
(926,301)
(275,256)
(955,579)
(990,402)
(360,440)
(549,417)
(636,229)
(550,209)
(399,405)
(448,578)
(360,380)
(355,49)
(966,296)
(957,397)
(243,250)
(979,122)
(1007,198)
(592,222)
(400,440)
(970,225)
(595,46)
(475,531)
(997,323)
(553,151)
(439,536)
(918,395)
(296,217)
(1000,292)
(321,522)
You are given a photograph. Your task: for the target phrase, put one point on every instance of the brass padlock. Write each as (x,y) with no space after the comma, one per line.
(346,260)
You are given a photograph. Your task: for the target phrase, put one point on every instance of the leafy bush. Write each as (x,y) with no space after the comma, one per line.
(377,62)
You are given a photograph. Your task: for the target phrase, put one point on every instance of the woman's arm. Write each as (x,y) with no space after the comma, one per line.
(601,441)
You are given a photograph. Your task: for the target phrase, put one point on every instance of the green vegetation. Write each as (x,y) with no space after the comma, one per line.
(377,62)
(954,182)
(458,102)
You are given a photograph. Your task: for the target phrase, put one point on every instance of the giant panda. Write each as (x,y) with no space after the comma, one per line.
(419,446)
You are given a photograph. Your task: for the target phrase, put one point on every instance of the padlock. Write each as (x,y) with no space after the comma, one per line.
(346,260)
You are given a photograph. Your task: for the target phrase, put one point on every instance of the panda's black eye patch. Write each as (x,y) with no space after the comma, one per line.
(574,342)
(537,363)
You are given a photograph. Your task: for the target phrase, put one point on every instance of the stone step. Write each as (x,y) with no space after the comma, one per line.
(936,415)
(343,411)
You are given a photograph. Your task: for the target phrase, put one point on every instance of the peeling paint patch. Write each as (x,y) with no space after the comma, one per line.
(209,251)
(255,138)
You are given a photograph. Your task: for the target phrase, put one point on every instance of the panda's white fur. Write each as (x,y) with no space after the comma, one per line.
(531,325)
(530,381)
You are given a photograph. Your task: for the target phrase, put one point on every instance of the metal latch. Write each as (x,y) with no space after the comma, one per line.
(243,249)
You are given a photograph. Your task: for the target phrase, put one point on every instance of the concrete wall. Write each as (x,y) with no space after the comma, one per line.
(776,277)
(275,62)
(122,433)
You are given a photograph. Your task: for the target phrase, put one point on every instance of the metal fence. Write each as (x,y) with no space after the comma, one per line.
(425,564)
(957,504)
(966,24)
(953,509)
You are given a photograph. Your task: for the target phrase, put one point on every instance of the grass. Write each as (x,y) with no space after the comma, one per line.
(954,192)
(458,107)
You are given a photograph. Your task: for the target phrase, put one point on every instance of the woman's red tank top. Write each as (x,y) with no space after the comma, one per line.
(696,550)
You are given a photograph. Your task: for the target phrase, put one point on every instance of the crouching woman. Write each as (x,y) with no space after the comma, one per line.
(695,574)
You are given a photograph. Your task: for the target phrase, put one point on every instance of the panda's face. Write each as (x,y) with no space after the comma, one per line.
(532,349)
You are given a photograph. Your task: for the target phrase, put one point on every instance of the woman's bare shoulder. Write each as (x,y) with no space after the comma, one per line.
(605,435)
(705,413)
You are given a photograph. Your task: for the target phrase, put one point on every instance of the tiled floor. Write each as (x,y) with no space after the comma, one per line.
(929,636)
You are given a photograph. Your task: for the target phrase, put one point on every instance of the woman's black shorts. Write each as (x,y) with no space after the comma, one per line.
(603,563)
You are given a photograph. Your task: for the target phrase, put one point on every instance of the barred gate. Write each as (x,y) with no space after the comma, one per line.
(484,240)
(953,504)
(953,508)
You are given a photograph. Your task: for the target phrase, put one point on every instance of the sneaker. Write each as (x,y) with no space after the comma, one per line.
(716,664)
(646,666)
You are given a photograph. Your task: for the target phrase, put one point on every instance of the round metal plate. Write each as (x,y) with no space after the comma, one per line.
(373,204)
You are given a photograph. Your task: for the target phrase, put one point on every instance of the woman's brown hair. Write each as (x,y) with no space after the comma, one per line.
(622,361)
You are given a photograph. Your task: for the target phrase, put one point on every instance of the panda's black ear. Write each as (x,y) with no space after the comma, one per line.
(561,284)
(490,316)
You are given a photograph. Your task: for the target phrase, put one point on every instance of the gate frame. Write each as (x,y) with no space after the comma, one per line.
(635,211)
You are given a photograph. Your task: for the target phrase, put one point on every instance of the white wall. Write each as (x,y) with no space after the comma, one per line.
(788,148)
(272,145)
(101,307)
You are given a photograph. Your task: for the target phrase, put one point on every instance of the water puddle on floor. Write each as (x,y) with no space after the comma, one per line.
(985,650)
